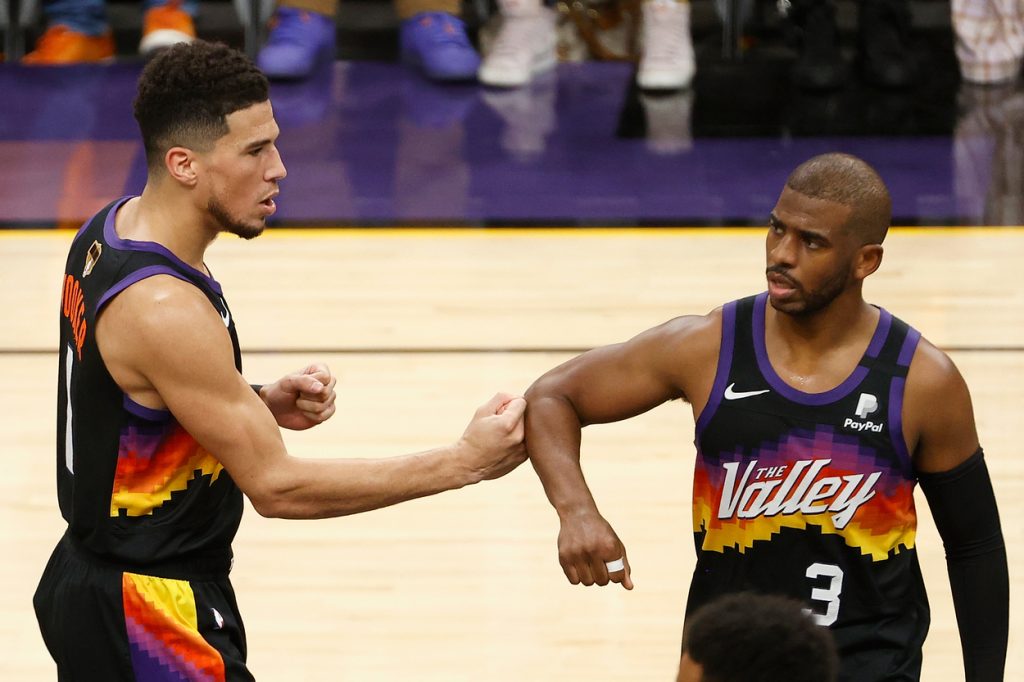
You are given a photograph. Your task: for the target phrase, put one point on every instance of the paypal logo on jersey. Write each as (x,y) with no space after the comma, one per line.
(867,404)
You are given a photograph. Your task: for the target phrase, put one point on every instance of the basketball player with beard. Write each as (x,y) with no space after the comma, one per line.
(816,415)
(159,436)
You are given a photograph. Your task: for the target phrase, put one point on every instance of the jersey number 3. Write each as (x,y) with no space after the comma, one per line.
(829,595)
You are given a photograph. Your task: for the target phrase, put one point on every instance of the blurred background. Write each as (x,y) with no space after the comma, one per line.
(390,121)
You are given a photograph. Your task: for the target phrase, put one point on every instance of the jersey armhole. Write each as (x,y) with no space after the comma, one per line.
(722,371)
(896,392)
(149,414)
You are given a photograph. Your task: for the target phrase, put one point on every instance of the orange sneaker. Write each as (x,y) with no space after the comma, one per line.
(165,26)
(61,45)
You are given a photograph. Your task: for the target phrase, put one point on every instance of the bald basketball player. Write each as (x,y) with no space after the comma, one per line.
(159,436)
(816,415)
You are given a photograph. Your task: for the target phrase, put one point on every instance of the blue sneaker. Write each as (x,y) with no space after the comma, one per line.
(436,43)
(298,41)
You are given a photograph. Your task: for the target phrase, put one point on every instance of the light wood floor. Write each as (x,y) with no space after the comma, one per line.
(466,585)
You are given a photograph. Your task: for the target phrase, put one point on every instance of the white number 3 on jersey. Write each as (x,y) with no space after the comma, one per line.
(829,595)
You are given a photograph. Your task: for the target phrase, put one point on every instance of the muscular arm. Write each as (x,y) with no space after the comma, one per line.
(953,476)
(167,348)
(604,385)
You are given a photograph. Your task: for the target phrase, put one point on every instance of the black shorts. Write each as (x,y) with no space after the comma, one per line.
(100,622)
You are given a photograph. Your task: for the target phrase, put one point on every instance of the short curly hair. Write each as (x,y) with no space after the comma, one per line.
(748,637)
(186,93)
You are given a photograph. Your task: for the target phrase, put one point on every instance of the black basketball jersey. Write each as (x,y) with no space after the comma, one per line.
(812,495)
(133,485)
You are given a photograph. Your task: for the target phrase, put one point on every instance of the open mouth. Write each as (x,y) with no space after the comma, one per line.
(779,285)
(269,205)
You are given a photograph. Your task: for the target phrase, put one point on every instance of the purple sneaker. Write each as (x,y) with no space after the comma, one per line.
(436,43)
(298,41)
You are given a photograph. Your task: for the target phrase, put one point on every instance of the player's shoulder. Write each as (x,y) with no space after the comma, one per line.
(692,329)
(932,371)
(688,337)
(938,415)
(160,302)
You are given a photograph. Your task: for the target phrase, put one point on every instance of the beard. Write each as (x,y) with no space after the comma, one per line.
(230,224)
(812,302)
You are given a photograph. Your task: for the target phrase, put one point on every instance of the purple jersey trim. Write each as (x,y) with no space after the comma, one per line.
(881,333)
(112,238)
(896,389)
(138,276)
(724,364)
(798,396)
(909,346)
(147,413)
(89,221)
(899,443)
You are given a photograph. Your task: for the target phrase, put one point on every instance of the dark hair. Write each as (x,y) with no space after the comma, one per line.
(850,181)
(759,638)
(186,92)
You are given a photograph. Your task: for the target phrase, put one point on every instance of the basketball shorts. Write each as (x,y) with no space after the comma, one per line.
(101,622)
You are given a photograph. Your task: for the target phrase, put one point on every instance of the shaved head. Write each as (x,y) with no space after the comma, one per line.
(849,181)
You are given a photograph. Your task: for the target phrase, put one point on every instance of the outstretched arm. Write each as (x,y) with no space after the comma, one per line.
(953,476)
(167,348)
(605,385)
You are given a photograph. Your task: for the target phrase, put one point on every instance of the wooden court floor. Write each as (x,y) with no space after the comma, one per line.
(421,327)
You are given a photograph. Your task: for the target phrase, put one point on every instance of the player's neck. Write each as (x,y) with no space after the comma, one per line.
(169,219)
(842,322)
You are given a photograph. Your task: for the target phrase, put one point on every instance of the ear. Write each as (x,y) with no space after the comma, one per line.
(867,260)
(181,165)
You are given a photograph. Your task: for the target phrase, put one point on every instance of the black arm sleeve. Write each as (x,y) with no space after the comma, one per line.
(964,508)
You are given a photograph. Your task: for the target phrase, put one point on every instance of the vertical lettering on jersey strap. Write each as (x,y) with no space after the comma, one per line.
(73,308)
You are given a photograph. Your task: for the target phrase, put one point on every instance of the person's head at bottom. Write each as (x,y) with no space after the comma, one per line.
(756,638)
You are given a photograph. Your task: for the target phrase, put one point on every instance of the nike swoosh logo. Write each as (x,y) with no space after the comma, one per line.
(226,316)
(738,395)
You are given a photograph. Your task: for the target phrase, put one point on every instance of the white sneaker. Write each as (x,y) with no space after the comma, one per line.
(523,48)
(667,62)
